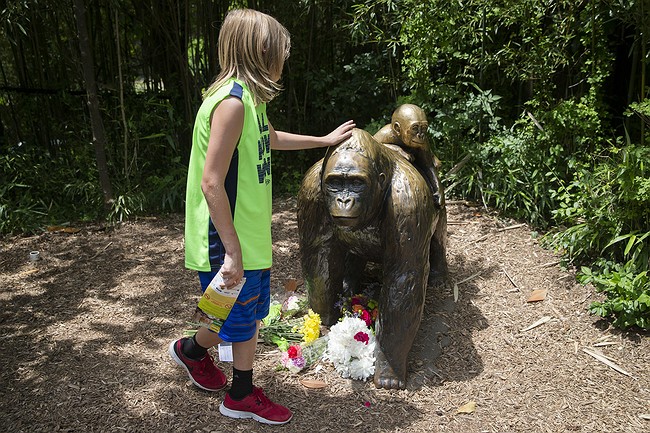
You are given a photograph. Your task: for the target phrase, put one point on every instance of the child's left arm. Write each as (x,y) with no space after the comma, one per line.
(281,140)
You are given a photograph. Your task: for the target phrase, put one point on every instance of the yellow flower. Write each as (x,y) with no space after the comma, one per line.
(310,328)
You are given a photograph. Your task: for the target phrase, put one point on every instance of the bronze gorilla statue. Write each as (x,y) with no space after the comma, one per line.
(365,203)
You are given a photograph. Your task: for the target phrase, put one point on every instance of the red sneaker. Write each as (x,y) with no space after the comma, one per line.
(203,373)
(256,406)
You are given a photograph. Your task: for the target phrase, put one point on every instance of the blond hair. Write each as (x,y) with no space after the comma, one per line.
(253,47)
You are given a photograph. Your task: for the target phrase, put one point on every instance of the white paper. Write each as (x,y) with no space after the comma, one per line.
(225,352)
(219,286)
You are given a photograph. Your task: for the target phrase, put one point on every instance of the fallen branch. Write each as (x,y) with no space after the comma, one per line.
(549,264)
(604,343)
(516,226)
(510,278)
(471,277)
(463,202)
(456,168)
(538,323)
(475,241)
(102,250)
(600,357)
(28,272)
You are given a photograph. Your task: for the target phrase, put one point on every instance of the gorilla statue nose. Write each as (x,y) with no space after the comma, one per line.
(345,202)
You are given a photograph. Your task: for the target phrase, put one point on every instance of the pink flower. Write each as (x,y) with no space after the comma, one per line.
(365,316)
(294,351)
(362,337)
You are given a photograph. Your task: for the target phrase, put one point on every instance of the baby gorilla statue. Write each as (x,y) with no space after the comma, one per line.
(363,203)
(407,135)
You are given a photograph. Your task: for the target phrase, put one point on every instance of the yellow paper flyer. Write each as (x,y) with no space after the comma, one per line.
(217,300)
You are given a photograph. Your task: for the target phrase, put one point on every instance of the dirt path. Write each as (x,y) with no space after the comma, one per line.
(84,333)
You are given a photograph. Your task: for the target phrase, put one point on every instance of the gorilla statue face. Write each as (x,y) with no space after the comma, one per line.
(410,123)
(353,188)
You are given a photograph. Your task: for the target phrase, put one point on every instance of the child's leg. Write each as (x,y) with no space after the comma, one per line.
(243,353)
(206,338)
(244,400)
(192,353)
(241,329)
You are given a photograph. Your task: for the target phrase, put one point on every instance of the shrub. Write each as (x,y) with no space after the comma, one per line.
(627,290)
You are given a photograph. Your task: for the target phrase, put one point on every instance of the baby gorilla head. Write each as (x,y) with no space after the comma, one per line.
(354,180)
(409,122)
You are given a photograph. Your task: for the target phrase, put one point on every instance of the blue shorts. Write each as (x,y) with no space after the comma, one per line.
(252,305)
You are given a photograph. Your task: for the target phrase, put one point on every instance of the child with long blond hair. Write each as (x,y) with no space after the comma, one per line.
(228,203)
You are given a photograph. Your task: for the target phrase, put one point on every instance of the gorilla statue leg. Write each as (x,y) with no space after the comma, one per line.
(438,251)
(401,305)
(354,267)
(323,270)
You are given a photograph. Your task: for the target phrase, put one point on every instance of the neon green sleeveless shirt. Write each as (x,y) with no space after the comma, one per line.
(248,186)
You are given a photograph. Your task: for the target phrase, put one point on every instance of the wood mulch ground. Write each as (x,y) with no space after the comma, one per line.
(84,335)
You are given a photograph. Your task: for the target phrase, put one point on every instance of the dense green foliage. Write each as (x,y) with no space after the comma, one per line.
(539,109)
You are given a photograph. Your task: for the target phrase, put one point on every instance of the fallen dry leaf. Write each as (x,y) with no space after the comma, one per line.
(313,383)
(537,295)
(468,407)
(291,285)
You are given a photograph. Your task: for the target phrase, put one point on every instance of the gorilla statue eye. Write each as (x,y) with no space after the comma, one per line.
(334,183)
(356,184)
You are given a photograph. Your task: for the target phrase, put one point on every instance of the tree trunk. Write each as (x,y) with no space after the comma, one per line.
(97,126)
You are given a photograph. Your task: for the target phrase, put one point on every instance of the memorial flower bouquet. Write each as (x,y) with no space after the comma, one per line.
(351,348)
(351,345)
(292,359)
(281,325)
(296,335)
(302,355)
(363,307)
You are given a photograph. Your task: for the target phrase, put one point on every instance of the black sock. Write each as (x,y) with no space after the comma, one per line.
(242,384)
(192,350)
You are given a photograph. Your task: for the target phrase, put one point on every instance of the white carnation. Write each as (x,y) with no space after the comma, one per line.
(351,358)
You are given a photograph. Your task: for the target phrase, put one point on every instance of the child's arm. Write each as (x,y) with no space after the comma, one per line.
(286,141)
(225,128)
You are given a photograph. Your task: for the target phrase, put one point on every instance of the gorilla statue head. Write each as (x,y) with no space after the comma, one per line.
(355,179)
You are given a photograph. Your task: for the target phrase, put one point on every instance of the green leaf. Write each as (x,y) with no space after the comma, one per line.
(615,240)
(644,299)
(630,244)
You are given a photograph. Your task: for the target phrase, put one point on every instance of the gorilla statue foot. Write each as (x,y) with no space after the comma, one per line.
(385,376)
